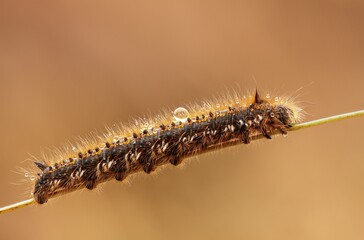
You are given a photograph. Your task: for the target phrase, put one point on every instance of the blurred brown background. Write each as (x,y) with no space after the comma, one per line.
(70,67)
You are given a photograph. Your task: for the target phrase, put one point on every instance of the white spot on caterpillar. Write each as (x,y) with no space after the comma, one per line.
(165,147)
(110,164)
(103,167)
(258,119)
(138,155)
(231,128)
(98,171)
(56,182)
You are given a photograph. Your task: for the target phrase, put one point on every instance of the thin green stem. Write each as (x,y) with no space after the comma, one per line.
(293,128)
(16,205)
(327,120)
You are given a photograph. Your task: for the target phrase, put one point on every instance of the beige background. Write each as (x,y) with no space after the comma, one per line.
(70,67)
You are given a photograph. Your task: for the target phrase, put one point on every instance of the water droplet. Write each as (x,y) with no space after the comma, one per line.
(74,148)
(285,134)
(181,114)
(267,96)
(32,178)
(26,174)
(276,99)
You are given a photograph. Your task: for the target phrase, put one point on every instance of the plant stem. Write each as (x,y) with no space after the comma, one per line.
(16,205)
(327,120)
(293,128)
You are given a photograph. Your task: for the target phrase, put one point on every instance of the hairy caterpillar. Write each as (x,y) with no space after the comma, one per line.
(121,152)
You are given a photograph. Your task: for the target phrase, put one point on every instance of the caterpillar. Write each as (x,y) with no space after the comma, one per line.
(164,140)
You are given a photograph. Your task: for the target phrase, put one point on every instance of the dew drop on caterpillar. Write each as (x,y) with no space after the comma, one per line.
(164,140)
